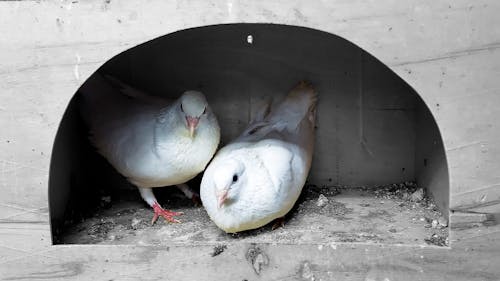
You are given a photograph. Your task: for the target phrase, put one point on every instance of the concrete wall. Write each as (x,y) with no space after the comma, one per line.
(366,129)
(431,169)
(366,120)
(447,51)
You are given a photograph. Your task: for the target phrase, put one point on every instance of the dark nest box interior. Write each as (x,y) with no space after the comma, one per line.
(377,144)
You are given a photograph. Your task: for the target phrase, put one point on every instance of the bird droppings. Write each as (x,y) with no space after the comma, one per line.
(306,272)
(100,229)
(219,249)
(437,240)
(443,221)
(135,223)
(434,223)
(257,258)
(322,201)
(349,215)
(105,201)
(418,195)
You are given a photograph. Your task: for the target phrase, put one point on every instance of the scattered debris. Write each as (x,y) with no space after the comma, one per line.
(313,191)
(328,207)
(437,240)
(307,273)
(443,221)
(323,213)
(105,201)
(434,223)
(135,223)
(218,250)
(100,229)
(418,195)
(322,201)
(394,191)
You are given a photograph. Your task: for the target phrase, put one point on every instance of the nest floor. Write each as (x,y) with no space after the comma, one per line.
(393,214)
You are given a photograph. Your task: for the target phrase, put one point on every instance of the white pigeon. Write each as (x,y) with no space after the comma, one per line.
(259,176)
(152,141)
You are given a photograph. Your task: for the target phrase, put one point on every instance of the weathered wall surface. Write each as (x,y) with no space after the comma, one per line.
(366,114)
(431,168)
(449,52)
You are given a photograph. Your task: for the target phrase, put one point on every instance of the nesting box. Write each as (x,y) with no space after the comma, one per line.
(406,93)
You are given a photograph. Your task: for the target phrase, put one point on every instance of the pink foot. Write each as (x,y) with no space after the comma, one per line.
(279,222)
(166,214)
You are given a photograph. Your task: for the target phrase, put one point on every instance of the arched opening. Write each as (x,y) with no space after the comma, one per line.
(374,135)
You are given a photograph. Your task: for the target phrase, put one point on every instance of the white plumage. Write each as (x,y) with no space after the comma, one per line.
(258,177)
(152,141)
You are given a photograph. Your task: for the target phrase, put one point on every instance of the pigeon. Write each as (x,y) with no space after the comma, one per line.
(258,177)
(152,141)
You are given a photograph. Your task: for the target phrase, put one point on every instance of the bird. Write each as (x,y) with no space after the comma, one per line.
(152,141)
(258,176)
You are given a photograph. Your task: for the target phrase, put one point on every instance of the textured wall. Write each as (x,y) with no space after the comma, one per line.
(447,51)
(366,121)
(366,113)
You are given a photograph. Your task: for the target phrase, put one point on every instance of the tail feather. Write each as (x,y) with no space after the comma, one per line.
(297,109)
(134,93)
(299,105)
(98,98)
(260,110)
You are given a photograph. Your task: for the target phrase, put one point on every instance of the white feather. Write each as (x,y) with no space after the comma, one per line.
(271,158)
(144,137)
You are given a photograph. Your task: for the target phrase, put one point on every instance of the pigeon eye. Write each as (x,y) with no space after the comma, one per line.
(182,109)
(235,178)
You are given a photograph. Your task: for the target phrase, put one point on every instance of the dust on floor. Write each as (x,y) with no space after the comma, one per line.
(392,214)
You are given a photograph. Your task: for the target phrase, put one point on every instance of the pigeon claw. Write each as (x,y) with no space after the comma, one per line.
(196,200)
(279,222)
(166,214)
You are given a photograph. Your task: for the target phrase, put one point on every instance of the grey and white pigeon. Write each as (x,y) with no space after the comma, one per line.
(152,141)
(259,176)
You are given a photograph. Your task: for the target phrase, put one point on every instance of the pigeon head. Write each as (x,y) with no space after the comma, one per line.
(228,179)
(193,106)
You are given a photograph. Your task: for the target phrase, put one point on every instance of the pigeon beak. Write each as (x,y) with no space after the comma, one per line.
(221,198)
(192,123)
